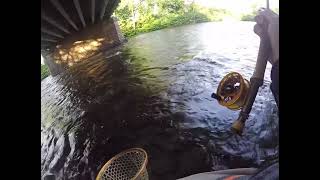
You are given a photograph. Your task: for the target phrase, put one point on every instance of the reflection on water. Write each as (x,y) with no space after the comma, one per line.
(155,93)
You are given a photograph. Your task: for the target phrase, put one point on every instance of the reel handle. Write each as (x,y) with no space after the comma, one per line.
(216,96)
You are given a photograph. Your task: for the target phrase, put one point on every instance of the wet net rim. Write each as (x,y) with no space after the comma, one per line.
(107,164)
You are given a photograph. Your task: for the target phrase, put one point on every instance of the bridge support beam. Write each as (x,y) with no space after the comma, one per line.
(54,67)
(108,30)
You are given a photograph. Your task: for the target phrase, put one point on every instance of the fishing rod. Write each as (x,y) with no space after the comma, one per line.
(235,92)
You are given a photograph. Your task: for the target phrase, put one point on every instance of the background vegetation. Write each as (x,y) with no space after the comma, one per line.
(140,16)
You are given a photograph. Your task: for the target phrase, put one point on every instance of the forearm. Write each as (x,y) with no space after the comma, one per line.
(262,59)
(258,75)
(274,39)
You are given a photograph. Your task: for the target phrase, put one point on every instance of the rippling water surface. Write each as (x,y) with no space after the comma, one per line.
(154,93)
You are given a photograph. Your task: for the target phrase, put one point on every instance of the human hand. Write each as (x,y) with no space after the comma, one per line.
(268,27)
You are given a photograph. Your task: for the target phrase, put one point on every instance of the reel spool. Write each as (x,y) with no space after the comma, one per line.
(232,91)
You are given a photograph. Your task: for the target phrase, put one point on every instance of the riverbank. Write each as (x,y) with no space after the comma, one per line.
(137,17)
(44,71)
(145,17)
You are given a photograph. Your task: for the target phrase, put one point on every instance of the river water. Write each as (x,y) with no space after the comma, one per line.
(154,93)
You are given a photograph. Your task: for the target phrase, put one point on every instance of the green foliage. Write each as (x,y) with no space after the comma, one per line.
(249,17)
(142,16)
(44,71)
(171,6)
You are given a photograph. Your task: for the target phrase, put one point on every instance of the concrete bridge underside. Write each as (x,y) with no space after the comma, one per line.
(72,30)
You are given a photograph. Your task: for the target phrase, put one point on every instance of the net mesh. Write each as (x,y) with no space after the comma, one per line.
(126,166)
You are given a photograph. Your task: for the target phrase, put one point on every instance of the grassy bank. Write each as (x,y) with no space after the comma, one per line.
(44,71)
